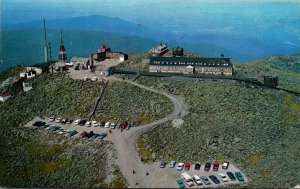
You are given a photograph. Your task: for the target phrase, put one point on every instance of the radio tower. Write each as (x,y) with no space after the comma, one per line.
(62,57)
(45,45)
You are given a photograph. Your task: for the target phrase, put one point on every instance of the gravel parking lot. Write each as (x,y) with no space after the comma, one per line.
(157,177)
(81,74)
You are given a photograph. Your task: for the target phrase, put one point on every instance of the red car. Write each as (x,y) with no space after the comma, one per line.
(216,166)
(123,124)
(187,166)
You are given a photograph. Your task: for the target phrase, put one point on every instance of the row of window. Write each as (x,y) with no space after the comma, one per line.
(185,68)
(190,63)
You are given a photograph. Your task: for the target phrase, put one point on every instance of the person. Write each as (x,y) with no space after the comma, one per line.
(109,131)
(133,172)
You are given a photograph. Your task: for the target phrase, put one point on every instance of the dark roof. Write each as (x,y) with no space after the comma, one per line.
(195,62)
(5,94)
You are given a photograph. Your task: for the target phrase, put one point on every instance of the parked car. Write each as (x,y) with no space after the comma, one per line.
(72,133)
(112,125)
(187,166)
(95,136)
(82,122)
(52,118)
(90,134)
(64,121)
(70,121)
(172,164)
(197,180)
(180,166)
(107,124)
(101,124)
(102,135)
(223,177)
(44,126)
(197,166)
(207,166)
(225,165)
(38,123)
(128,126)
(239,176)
(77,121)
(205,180)
(214,179)
(62,132)
(84,134)
(163,164)
(118,126)
(216,166)
(231,176)
(189,183)
(180,184)
(95,124)
(58,120)
(124,124)
(88,123)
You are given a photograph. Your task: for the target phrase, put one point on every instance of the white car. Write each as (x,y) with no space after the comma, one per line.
(180,166)
(225,165)
(95,124)
(88,124)
(197,180)
(189,183)
(107,124)
(77,121)
(62,132)
(58,120)
(223,177)
(51,119)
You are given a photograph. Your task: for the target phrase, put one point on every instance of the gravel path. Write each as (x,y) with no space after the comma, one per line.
(128,158)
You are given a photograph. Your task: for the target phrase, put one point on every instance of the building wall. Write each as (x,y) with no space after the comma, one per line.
(197,70)
(4,98)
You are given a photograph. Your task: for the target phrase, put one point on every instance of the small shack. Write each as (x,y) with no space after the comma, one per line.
(5,96)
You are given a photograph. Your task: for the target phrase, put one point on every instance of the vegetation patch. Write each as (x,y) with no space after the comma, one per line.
(123,101)
(228,120)
(42,159)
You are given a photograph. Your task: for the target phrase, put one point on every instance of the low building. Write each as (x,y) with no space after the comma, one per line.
(27,86)
(116,56)
(29,74)
(104,52)
(37,71)
(59,66)
(159,49)
(81,61)
(184,65)
(5,96)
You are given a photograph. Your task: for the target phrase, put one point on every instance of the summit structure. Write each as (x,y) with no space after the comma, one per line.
(62,55)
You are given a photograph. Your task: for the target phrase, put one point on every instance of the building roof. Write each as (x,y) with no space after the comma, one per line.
(79,59)
(59,64)
(195,62)
(5,94)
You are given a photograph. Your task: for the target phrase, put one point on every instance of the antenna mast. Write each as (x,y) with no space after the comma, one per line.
(45,45)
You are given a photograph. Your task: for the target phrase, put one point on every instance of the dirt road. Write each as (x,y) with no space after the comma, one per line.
(125,142)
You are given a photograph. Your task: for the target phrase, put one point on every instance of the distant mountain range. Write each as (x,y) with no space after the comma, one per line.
(23,43)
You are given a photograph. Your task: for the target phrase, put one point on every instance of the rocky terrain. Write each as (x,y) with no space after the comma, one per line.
(36,158)
(255,128)
(123,101)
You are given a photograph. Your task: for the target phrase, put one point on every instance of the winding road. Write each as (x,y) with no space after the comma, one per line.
(128,159)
